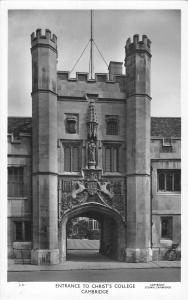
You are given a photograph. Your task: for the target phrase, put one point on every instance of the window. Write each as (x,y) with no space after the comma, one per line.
(90,224)
(167,145)
(93,224)
(71,123)
(166,228)
(71,158)
(167,142)
(18,231)
(96,225)
(66,186)
(15,182)
(111,159)
(15,137)
(22,231)
(112,127)
(169,180)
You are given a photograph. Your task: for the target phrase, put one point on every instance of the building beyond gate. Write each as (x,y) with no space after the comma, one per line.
(92,150)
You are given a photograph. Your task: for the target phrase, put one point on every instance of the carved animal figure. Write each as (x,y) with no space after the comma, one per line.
(103,188)
(78,187)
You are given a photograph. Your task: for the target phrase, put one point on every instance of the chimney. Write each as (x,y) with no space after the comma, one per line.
(115,68)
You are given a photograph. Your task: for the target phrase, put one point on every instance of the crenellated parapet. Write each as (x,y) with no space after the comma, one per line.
(37,39)
(84,76)
(137,45)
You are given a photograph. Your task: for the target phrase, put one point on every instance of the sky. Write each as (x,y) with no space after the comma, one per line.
(111,30)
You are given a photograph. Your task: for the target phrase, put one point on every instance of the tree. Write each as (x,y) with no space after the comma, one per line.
(82,228)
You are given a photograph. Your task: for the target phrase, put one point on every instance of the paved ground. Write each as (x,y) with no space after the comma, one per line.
(86,256)
(119,275)
(91,259)
(84,263)
(82,244)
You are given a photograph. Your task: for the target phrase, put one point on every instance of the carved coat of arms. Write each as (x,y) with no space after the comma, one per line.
(91,187)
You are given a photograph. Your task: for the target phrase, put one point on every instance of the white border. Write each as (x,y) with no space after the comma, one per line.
(47,290)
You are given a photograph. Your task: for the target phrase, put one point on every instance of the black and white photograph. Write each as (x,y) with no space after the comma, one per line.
(94,173)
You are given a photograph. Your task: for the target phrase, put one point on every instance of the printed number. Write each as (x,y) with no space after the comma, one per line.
(21,284)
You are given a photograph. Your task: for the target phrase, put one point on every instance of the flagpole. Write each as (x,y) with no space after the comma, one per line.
(91,48)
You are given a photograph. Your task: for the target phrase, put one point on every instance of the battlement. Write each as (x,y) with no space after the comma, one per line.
(84,76)
(138,45)
(46,39)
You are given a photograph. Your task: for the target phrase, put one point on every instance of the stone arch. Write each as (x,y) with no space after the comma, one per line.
(113,239)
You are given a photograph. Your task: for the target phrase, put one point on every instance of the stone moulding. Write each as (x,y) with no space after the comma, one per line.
(101,208)
(89,191)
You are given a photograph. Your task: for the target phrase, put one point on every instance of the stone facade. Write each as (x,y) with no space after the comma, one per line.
(95,152)
(165,203)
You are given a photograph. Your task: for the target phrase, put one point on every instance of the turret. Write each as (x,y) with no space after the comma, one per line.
(47,38)
(137,64)
(44,148)
(143,45)
(44,71)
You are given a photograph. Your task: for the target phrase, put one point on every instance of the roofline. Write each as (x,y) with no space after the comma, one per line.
(120,99)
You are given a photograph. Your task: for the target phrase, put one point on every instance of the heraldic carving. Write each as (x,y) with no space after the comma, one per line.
(91,187)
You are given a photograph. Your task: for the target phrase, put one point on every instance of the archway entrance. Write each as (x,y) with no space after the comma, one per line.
(83,239)
(112,229)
